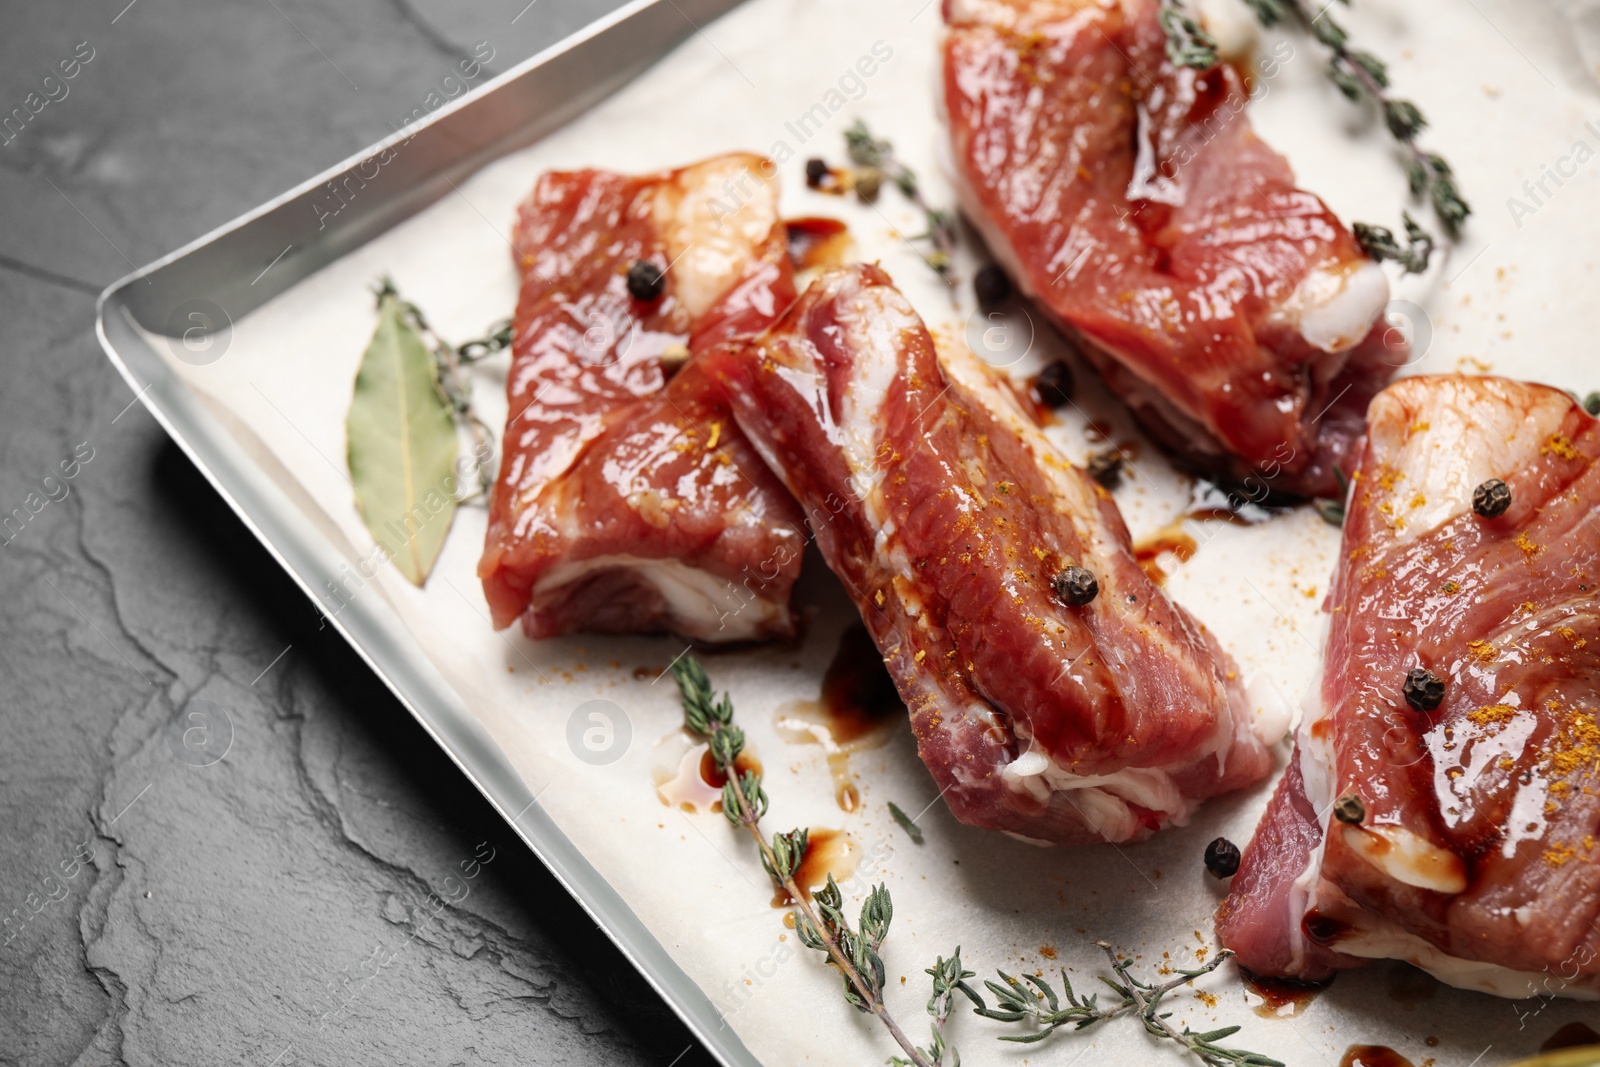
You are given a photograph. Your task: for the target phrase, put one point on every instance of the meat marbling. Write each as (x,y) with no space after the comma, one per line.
(1476,856)
(1231,310)
(948,515)
(627,500)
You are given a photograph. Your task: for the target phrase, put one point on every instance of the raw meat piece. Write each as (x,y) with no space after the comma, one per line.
(949,516)
(1232,311)
(1476,857)
(628,502)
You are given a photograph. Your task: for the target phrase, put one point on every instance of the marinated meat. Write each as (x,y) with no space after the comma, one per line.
(628,501)
(1231,310)
(951,520)
(1475,853)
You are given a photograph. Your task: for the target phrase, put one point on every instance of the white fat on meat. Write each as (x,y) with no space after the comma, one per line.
(1104,801)
(1314,750)
(701,604)
(1371,936)
(714,218)
(873,318)
(1407,858)
(1274,713)
(1426,444)
(1335,304)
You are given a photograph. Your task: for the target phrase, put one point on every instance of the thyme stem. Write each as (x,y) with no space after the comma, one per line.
(1037,1003)
(1148,1002)
(836,955)
(1359,74)
(867,150)
(714,722)
(459,393)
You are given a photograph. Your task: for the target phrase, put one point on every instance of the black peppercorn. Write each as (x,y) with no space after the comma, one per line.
(1423,689)
(1053,385)
(991,286)
(1491,498)
(1076,586)
(1106,467)
(646,281)
(1350,809)
(1222,858)
(816,170)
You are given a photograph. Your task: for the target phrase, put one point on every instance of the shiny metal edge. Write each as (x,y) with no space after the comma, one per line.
(244,263)
(580,70)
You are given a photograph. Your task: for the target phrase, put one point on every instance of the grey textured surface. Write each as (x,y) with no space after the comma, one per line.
(329,889)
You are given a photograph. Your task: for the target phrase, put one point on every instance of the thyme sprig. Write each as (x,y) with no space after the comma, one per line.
(1380,244)
(448,361)
(1037,1003)
(1359,75)
(949,978)
(819,920)
(1188,43)
(867,150)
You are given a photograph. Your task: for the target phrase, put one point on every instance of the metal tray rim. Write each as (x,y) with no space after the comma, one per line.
(575,40)
(204,442)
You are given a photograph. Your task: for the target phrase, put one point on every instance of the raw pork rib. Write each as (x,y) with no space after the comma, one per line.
(1476,858)
(1230,310)
(948,516)
(628,503)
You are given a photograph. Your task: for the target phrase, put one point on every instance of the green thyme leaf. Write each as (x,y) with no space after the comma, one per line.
(1268,12)
(1329,32)
(1379,242)
(1188,44)
(694,688)
(1373,66)
(1403,118)
(876,912)
(1347,83)
(791,850)
(726,744)
(905,823)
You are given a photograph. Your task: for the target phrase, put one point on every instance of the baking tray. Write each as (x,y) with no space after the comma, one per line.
(196,293)
(290,302)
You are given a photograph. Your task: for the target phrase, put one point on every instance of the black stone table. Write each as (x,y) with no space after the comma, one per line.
(329,890)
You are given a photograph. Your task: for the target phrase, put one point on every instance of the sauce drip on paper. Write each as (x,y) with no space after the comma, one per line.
(1172,539)
(1373,1056)
(1281,998)
(817,243)
(693,783)
(827,852)
(858,704)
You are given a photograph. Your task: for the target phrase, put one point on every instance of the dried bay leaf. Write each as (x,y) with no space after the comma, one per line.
(402,445)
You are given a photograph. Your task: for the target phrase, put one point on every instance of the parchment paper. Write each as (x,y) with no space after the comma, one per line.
(1509,88)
